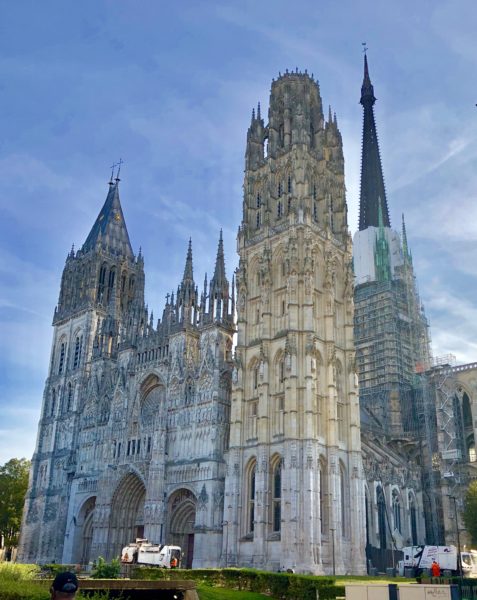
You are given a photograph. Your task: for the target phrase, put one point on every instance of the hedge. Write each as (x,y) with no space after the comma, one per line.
(282,586)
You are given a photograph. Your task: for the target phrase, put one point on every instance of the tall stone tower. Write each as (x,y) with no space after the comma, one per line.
(294,493)
(101,284)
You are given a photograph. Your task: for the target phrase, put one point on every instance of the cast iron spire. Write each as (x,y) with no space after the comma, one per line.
(372,192)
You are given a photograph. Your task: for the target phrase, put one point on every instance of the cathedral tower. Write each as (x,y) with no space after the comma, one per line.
(101,288)
(294,486)
(392,347)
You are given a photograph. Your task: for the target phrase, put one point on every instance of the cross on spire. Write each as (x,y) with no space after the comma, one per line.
(119,169)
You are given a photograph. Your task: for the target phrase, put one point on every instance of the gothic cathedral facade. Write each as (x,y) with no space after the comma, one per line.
(158,429)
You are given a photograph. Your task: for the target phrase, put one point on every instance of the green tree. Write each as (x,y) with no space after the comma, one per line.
(470,511)
(13,487)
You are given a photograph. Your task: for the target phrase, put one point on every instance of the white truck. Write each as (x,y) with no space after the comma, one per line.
(418,559)
(143,552)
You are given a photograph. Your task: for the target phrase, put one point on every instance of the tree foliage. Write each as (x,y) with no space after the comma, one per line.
(470,511)
(13,487)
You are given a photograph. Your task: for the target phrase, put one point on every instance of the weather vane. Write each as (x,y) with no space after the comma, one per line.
(365,47)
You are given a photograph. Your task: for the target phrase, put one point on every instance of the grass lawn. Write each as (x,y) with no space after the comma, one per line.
(216,593)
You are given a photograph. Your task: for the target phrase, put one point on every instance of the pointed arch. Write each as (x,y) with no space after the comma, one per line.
(84,531)
(180,526)
(249,499)
(126,520)
(276,467)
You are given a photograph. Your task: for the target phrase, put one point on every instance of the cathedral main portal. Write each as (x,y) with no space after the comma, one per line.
(182,510)
(127,514)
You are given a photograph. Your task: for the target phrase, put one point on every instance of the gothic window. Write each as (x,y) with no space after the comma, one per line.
(61,363)
(279,210)
(53,403)
(289,204)
(276,496)
(258,201)
(133,447)
(128,452)
(312,136)
(466,411)
(279,191)
(69,400)
(139,446)
(250,507)
(281,372)
(323,498)
(258,220)
(396,511)
(78,348)
(289,185)
(101,282)
(148,444)
(281,134)
(381,502)
(314,191)
(111,278)
(315,211)
(413,518)
(255,378)
(119,450)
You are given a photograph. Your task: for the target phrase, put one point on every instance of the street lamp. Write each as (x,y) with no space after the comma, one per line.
(459,559)
(333,547)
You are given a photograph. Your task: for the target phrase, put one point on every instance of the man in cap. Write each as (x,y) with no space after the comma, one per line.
(64,586)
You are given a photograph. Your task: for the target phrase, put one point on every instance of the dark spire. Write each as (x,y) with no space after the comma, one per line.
(188,271)
(373,193)
(109,229)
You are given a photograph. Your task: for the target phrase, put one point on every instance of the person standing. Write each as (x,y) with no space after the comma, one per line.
(435,569)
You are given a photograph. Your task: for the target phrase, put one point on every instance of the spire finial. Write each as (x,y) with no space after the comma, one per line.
(117,180)
(258,111)
(253,115)
(112,173)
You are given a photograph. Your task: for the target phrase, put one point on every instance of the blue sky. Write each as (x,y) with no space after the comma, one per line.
(169,88)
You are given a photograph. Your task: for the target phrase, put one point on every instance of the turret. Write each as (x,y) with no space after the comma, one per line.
(187,294)
(219,287)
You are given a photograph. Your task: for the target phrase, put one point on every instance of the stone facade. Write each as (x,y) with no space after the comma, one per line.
(143,432)
(135,418)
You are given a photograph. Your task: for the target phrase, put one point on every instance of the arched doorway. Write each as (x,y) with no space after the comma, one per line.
(84,532)
(182,508)
(126,521)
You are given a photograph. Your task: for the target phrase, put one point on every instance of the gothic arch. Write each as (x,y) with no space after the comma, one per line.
(181,509)
(249,497)
(127,513)
(84,531)
(276,469)
(151,395)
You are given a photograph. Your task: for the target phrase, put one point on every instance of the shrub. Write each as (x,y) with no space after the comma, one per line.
(104,570)
(17,572)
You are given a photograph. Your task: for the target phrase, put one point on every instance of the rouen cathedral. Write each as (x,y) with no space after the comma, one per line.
(235,425)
